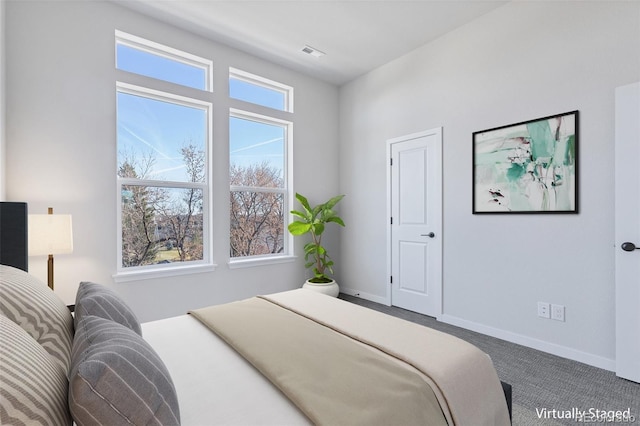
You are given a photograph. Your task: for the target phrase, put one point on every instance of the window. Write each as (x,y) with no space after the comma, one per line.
(259,152)
(260,91)
(258,184)
(144,57)
(163,142)
(164,101)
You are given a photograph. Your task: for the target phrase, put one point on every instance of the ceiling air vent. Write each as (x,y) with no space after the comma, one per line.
(312,51)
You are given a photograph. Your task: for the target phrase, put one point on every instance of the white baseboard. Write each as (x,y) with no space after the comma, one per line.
(552,348)
(363,295)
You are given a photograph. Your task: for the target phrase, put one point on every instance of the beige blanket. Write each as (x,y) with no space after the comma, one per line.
(461,377)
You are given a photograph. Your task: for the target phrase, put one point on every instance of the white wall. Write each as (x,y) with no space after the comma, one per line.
(522,61)
(61,145)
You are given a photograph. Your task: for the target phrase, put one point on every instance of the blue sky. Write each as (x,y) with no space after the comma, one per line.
(140,62)
(253,143)
(151,127)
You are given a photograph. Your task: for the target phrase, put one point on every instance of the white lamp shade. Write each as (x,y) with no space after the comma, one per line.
(50,234)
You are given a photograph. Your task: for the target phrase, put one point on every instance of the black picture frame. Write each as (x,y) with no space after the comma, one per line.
(527,167)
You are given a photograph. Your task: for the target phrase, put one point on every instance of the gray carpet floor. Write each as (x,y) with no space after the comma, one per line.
(540,380)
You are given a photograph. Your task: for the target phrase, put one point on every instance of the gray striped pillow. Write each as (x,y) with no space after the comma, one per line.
(117,378)
(101,301)
(32,305)
(33,389)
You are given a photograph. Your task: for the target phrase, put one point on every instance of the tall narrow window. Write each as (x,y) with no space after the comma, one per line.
(257,173)
(163,142)
(162,171)
(259,157)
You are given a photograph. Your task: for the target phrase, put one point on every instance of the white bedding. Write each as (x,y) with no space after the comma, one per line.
(214,384)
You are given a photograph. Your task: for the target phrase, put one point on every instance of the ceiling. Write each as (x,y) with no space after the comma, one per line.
(356,35)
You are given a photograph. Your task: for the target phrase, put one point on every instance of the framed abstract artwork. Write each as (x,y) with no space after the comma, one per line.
(528,167)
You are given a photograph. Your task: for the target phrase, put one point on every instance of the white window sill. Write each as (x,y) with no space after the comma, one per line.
(162,272)
(248,262)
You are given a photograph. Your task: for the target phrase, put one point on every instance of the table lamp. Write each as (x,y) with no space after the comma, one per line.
(50,234)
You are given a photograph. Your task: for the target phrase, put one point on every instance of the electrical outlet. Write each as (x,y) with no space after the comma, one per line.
(557,312)
(544,310)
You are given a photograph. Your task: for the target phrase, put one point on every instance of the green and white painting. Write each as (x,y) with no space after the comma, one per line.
(528,167)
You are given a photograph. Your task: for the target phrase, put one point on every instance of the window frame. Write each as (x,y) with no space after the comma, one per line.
(199,99)
(256,80)
(166,52)
(286,190)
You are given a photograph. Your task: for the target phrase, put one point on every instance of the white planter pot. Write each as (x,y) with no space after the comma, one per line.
(330,289)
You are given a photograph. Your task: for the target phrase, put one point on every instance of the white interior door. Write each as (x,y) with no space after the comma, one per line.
(627,231)
(415,224)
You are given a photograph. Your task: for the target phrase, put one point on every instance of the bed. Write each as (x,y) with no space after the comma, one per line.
(290,358)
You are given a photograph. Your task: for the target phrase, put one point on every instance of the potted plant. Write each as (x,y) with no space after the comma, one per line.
(313,221)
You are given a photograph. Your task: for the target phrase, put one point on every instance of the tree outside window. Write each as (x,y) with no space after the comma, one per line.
(258,185)
(162,169)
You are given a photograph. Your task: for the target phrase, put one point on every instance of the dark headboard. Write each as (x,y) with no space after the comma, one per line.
(13,235)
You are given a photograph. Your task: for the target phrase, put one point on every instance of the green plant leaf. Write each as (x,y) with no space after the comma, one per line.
(304,202)
(316,211)
(300,214)
(299,228)
(336,219)
(332,202)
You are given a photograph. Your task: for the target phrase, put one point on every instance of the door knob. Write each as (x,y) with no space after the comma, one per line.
(629,246)
(430,235)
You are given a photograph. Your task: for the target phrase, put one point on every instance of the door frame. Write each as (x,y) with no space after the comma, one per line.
(437,289)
